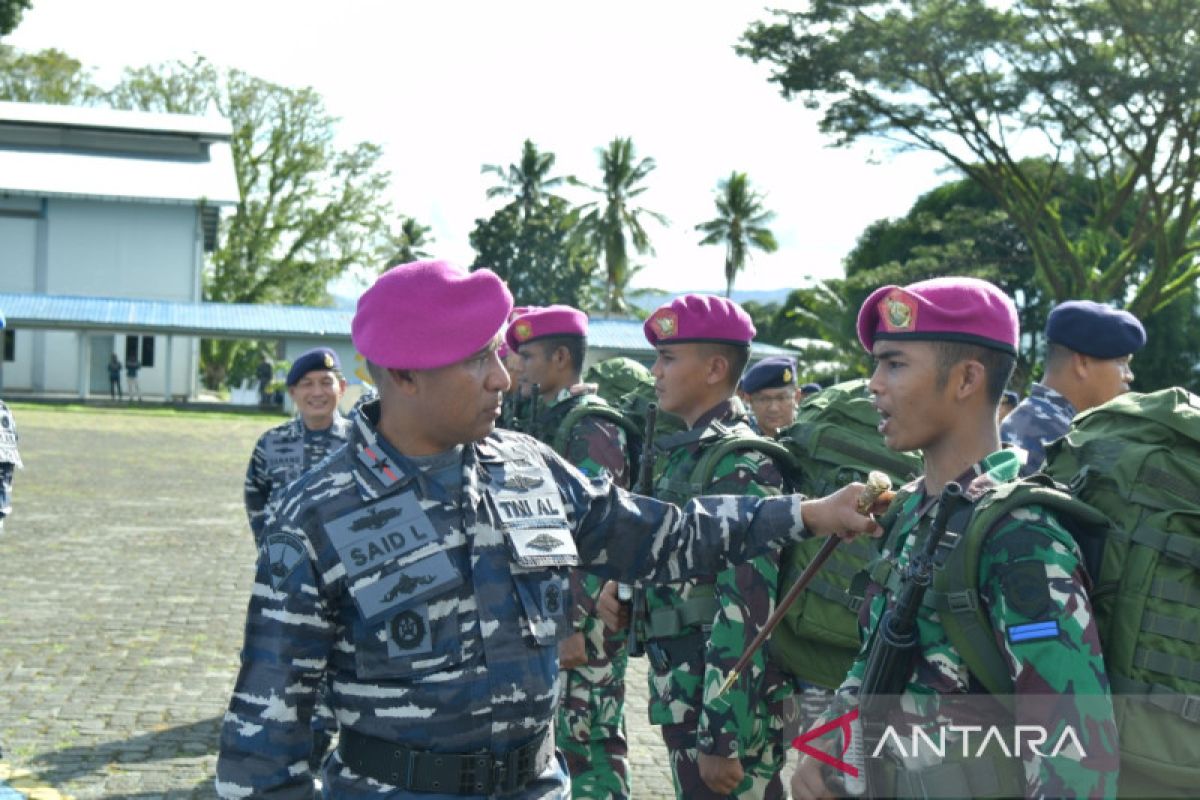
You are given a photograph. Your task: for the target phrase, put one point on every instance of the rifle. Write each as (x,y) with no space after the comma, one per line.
(644,486)
(894,645)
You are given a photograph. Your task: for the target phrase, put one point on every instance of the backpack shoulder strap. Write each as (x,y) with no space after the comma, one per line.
(590,406)
(739,439)
(955,590)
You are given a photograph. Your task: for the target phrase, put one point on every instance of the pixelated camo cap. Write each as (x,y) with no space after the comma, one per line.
(429,314)
(954,309)
(699,318)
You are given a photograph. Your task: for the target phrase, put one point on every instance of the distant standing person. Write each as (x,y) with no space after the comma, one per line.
(10,459)
(1088,349)
(132,365)
(287,451)
(114,377)
(263,372)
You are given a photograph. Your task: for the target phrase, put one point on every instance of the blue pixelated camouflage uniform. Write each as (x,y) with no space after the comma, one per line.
(282,455)
(10,460)
(1034,589)
(431,622)
(590,726)
(1039,419)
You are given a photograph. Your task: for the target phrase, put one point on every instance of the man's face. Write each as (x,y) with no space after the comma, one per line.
(317,395)
(914,411)
(775,409)
(535,368)
(679,379)
(1107,378)
(458,403)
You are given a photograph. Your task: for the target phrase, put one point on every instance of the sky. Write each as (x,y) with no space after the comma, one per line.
(446,87)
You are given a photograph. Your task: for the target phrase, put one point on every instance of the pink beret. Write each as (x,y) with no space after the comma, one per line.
(548,321)
(429,314)
(699,318)
(941,309)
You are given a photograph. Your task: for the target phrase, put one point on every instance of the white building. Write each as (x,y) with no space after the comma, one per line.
(99,204)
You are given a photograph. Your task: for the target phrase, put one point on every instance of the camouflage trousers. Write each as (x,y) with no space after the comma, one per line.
(590,729)
(763,756)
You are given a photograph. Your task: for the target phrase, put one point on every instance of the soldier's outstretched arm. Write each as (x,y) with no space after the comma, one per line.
(266,738)
(627,537)
(1034,587)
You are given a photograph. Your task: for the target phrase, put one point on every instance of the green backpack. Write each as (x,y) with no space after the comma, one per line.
(834,441)
(1127,477)
(628,387)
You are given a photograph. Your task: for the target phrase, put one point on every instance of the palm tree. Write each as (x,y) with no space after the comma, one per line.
(617,223)
(740,225)
(408,245)
(527,181)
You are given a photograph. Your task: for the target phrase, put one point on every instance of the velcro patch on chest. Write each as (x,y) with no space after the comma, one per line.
(543,547)
(380,532)
(427,577)
(519,508)
(284,454)
(1033,632)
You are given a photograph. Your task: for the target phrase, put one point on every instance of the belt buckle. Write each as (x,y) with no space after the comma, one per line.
(499,774)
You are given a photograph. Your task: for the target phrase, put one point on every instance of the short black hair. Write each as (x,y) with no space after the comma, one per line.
(376,372)
(576,348)
(998,365)
(738,356)
(1056,354)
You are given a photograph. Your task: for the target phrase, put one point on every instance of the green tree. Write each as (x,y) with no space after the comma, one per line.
(308,210)
(740,225)
(1107,87)
(615,223)
(409,243)
(528,181)
(820,321)
(544,257)
(10,14)
(47,76)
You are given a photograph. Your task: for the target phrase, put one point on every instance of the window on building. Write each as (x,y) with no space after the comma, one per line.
(10,345)
(147,351)
(141,348)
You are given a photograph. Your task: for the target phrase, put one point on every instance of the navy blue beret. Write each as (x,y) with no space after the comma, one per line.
(1095,329)
(811,388)
(770,373)
(318,358)
(1011,397)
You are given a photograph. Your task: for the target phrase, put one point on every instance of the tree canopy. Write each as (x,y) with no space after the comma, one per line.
(528,181)
(10,14)
(1103,88)
(47,76)
(614,223)
(544,257)
(740,225)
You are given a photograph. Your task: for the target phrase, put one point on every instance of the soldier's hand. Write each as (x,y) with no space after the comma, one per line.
(721,774)
(837,514)
(807,782)
(571,652)
(614,613)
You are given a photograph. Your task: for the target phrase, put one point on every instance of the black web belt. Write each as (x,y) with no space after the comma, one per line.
(446,773)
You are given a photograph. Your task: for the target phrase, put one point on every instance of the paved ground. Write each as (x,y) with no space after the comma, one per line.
(127,565)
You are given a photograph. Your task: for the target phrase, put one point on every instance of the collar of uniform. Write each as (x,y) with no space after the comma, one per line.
(563,395)
(1043,392)
(723,411)
(995,468)
(380,465)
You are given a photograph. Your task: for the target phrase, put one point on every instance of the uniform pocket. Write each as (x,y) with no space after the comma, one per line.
(416,640)
(545,596)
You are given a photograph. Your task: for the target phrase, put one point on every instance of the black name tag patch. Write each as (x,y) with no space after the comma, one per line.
(287,455)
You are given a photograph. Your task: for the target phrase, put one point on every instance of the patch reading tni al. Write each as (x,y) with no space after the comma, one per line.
(284,553)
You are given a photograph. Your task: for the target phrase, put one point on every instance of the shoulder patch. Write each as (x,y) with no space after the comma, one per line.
(1033,632)
(284,553)
(1026,589)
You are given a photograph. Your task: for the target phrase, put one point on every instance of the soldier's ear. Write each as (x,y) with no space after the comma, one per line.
(971,378)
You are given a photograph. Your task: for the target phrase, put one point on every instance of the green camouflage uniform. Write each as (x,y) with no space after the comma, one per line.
(1033,585)
(590,725)
(746,723)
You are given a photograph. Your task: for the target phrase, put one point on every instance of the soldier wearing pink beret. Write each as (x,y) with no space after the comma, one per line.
(421,571)
(944,350)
